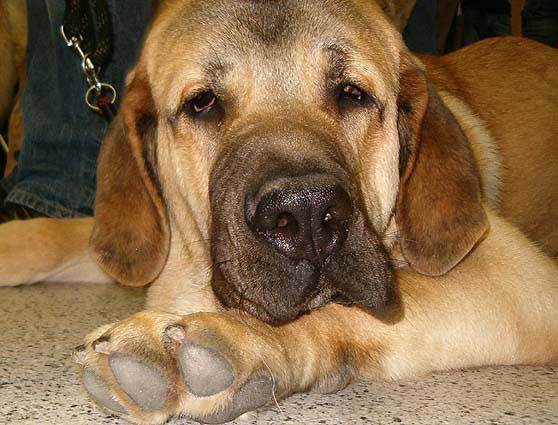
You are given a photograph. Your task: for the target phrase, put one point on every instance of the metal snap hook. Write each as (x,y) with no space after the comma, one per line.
(93,94)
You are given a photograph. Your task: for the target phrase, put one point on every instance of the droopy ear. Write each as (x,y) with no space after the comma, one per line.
(439,213)
(398,11)
(130,239)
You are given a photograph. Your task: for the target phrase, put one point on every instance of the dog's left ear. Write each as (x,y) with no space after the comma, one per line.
(439,212)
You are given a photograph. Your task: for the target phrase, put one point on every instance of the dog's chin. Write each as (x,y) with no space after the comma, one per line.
(271,317)
(231,298)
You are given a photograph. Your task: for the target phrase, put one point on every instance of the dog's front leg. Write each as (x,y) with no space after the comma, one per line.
(213,367)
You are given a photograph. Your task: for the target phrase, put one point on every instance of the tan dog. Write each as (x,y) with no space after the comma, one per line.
(13,42)
(313,205)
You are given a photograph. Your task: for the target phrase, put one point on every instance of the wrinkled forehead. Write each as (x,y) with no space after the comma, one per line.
(210,40)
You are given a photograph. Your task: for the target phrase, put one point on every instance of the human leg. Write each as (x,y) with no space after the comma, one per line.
(56,172)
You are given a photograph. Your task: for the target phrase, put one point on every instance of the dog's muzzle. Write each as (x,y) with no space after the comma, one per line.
(287,235)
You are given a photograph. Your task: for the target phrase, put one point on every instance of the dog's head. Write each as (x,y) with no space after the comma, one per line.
(302,139)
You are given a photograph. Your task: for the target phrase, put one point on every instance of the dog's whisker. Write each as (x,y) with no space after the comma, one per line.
(409,240)
(273,386)
(391,233)
(218,263)
(197,241)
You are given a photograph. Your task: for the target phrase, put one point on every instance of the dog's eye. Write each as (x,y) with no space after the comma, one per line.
(350,95)
(203,102)
(353,92)
(204,107)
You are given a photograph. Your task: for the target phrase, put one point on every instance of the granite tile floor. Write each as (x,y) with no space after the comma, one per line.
(40,324)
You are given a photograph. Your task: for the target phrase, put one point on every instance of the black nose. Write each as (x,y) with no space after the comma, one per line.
(303,217)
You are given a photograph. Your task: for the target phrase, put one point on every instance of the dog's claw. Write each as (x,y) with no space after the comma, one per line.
(101,346)
(78,354)
(175,333)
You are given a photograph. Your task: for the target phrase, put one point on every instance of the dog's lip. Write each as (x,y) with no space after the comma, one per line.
(324,293)
(256,309)
(259,311)
(234,299)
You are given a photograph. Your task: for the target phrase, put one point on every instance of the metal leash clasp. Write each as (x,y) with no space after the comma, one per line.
(96,87)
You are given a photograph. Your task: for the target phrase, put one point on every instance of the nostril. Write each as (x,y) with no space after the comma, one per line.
(282,232)
(275,222)
(336,215)
(285,225)
(284,220)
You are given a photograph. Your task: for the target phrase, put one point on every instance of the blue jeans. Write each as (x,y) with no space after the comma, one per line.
(540,21)
(479,24)
(56,169)
(420,32)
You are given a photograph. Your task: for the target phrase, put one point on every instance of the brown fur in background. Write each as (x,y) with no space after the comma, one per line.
(13,43)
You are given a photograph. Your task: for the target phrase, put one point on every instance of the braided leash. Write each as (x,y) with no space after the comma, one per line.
(93,44)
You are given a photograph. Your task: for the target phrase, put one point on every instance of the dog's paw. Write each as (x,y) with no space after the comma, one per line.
(208,367)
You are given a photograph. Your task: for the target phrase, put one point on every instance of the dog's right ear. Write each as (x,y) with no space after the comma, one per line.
(130,239)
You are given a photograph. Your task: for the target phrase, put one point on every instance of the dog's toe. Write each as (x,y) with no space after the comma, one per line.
(205,371)
(99,392)
(144,384)
(210,368)
(152,367)
(255,393)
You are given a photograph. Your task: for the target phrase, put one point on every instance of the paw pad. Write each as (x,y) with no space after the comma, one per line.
(100,392)
(254,394)
(144,384)
(205,371)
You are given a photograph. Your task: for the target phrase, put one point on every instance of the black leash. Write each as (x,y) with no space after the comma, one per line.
(78,23)
(93,44)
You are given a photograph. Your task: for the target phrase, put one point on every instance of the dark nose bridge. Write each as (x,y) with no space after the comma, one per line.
(275,148)
(259,148)
(281,144)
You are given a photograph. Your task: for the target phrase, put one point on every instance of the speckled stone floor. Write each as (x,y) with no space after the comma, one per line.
(40,325)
